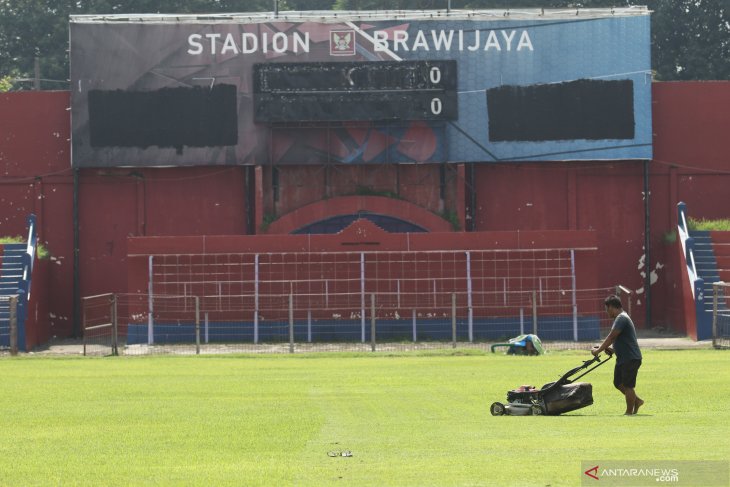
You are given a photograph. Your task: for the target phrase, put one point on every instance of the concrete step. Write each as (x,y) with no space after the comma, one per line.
(11,268)
(721,237)
(707,270)
(709,276)
(12,254)
(703,251)
(12,285)
(14,246)
(709,283)
(704,257)
(15,274)
(722,250)
(709,280)
(724,275)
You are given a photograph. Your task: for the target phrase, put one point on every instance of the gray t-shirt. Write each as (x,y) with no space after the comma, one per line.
(626,345)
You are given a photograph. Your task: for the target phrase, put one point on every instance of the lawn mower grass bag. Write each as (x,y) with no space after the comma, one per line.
(554,398)
(568,397)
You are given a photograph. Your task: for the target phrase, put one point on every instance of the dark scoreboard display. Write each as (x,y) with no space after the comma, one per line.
(355,91)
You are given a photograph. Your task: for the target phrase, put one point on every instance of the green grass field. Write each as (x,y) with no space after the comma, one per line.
(409,419)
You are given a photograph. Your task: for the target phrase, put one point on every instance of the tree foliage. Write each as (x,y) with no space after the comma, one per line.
(39,28)
(690,38)
(6,84)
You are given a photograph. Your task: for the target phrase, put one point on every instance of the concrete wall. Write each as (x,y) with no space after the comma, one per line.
(691,164)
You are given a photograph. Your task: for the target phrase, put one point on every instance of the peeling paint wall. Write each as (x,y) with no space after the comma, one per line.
(691,147)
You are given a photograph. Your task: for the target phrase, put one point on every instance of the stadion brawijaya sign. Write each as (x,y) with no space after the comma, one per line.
(426,87)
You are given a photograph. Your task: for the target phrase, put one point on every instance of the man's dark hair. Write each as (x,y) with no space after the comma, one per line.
(613,301)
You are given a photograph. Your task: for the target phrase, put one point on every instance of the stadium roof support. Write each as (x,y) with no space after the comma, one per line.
(339,15)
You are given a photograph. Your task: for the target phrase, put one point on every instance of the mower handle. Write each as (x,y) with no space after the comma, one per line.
(608,351)
(586,365)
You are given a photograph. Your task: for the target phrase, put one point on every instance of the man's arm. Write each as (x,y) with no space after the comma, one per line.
(607,342)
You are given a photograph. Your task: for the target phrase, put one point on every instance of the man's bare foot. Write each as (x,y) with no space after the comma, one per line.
(637,405)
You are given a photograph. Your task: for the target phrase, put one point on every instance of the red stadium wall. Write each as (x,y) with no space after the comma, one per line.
(603,197)
(690,165)
(35,177)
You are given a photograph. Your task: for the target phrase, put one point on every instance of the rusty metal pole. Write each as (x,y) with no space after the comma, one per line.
(372,322)
(14,325)
(291,323)
(453,320)
(115,326)
(197,325)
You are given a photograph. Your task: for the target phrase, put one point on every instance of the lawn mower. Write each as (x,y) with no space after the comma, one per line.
(553,398)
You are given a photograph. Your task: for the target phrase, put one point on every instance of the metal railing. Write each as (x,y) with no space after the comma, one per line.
(100,324)
(24,286)
(9,335)
(687,243)
(697,284)
(132,324)
(720,315)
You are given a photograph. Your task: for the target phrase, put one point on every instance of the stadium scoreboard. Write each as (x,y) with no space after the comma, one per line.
(361,87)
(355,91)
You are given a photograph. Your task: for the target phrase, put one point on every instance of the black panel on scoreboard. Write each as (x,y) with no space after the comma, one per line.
(582,109)
(168,117)
(355,91)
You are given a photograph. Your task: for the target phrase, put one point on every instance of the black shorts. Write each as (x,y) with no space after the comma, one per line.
(625,374)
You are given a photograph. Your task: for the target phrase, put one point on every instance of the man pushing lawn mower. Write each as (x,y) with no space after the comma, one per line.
(566,394)
(628,354)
